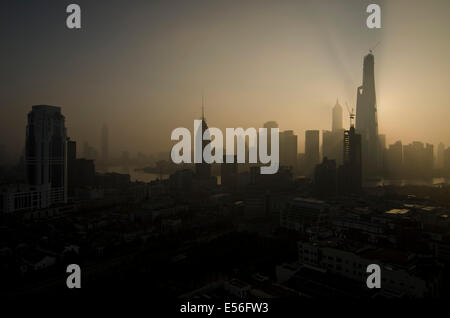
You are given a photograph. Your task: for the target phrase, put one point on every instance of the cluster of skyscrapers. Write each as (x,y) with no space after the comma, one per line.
(340,163)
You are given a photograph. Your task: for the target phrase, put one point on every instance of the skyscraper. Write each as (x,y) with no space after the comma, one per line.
(418,160)
(394,160)
(332,140)
(312,152)
(367,119)
(105,145)
(337,117)
(203,169)
(440,156)
(288,149)
(71,164)
(269,125)
(350,173)
(46,152)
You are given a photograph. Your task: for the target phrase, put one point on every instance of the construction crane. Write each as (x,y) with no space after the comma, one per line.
(351,114)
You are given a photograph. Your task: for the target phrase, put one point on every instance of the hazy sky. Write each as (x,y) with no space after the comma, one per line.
(141,66)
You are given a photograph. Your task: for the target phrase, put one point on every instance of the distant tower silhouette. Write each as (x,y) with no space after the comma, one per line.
(312,150)
(367,119)
(203,169)
(105,148)
(269,125)
(337,117)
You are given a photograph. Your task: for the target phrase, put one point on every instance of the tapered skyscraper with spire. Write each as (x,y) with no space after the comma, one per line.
(367,118)
(203,169)
(337,117)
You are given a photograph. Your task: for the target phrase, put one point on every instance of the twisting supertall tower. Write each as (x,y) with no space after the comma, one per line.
(366,118)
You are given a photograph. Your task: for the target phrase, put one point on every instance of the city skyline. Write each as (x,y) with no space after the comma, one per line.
(281,87)
(279,154)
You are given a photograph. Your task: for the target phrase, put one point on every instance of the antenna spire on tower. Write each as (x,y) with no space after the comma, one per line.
(203,107)
(351,114)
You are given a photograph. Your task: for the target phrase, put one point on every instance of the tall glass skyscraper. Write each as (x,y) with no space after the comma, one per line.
(45,151)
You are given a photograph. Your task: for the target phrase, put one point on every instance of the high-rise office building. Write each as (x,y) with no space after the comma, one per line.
(203,169)
(71,165)
(46,152)
(394,160)
(418,160)
(440,156)
(446,168)
(105,145)
(350,173)
(288,149)
(332,140)
(269,125)
(332,145)
(312,151)
(381,153)
(337,117)
(367,118)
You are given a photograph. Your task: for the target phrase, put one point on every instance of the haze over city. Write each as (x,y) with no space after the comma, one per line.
(212,156)
(142,68)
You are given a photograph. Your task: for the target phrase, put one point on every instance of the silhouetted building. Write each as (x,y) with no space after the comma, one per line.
(89,152)
(447,162)
(181,180)
(84,173)
(256,204)
(71,165)
(350,173)
(381,153)
(203,169)
(21,198)
(394,160)
(269,125)
(112,180)
(332,145)
(325,178)
(306,216)
(45,152)
(229,174)
(81,171)
(288,149)
(282,180)
(105,145)
(312,152)
(367,119)
(337,118)
(3,154)
(440,156)
(418,160)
